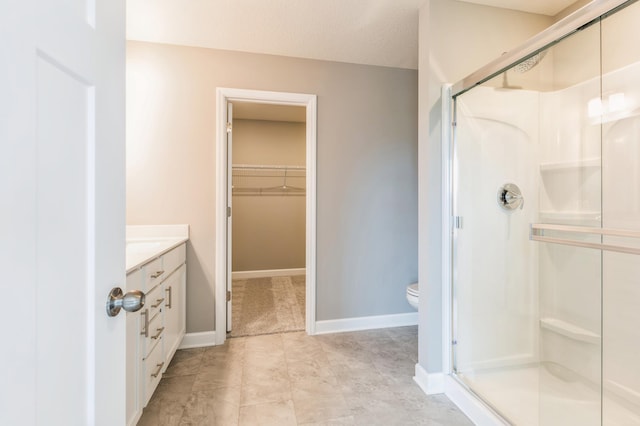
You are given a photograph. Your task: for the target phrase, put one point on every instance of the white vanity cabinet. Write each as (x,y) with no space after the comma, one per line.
(174,308)
(155,332)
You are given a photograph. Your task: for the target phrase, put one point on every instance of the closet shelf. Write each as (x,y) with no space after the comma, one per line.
(587,163)
(258,179)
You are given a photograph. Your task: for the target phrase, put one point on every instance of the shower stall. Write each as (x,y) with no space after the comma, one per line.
(545,225)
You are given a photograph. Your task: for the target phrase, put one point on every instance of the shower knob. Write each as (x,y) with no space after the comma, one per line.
(510,197)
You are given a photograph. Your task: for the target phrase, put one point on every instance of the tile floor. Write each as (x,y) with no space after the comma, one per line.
(359,378)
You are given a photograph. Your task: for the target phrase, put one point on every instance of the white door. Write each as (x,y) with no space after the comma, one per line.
(229,211)
(62,181)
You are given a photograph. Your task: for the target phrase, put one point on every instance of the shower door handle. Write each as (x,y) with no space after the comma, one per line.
(537,233)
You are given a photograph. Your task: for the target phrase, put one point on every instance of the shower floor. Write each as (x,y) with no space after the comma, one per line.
(533,395)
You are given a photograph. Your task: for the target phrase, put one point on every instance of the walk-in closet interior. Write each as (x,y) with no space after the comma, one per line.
(546,241)
(268,188)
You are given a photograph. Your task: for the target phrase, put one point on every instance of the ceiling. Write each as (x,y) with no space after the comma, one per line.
(372,32)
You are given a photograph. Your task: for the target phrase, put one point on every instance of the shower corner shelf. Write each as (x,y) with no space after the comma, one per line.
(588,163)
(569,330)
(587,216)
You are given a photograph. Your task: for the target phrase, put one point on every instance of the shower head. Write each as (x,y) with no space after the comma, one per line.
(529,63)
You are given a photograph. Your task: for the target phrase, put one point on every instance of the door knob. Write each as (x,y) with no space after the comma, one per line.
(131,301)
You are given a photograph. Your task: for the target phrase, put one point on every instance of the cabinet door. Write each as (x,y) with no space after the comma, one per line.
(174,311)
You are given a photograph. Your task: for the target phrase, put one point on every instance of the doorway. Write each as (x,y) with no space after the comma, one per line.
(267,239)
(282,179)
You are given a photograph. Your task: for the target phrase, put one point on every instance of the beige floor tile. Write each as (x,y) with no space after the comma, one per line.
(321,409)
(263,392)
(215,377)
(211,407)
(167,403)
(279,413)
(299,370)
(260,359)
(384,413)
(267,374)
(267,343)
(165,414)
(342,421)
(304,351)
(185,362)
(359,378)
(317,387)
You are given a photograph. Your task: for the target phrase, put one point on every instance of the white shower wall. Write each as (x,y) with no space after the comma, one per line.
(496,290)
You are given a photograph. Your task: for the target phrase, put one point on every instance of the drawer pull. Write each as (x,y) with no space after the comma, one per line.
(168,290)
(160,330)
(157,274)
(154,375)
(145,331)
(158,303)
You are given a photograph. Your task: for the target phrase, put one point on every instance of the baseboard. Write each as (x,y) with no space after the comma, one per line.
(430,383)
(470,405)
(198,340)
(366,323)
(243,275)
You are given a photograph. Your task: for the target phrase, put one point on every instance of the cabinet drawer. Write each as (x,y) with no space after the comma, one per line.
(155,301)
(153,274)
(174,258)
(155,334)
(152,368)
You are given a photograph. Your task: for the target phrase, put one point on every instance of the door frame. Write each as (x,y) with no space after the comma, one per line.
(223,97)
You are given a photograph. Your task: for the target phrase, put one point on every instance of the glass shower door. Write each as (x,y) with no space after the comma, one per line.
(527,314)
(495,269)
(621,210)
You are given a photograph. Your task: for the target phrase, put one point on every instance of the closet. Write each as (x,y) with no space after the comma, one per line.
(268,236)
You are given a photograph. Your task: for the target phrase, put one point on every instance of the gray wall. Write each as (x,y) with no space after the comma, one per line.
(474,35)
(367,212)
(268,230)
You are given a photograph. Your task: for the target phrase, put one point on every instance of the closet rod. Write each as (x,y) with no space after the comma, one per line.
(265,167)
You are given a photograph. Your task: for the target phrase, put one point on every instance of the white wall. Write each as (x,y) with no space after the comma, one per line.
(456,38)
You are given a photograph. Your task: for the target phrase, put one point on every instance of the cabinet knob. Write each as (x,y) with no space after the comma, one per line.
(132,301)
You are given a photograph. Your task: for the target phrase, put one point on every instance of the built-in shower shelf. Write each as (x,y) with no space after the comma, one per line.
(587,163)
(569,330)
(592,217)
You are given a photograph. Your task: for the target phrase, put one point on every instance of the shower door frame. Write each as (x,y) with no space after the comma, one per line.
(467,400)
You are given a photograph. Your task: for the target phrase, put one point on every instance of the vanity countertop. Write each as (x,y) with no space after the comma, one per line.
(145,243)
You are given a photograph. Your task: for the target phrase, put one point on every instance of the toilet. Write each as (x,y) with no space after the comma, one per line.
(412,295)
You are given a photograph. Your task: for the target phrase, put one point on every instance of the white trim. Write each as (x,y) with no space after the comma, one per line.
(198,340)
(223,96)
(134,420)
(366,323)
(243,275)
(447,153)
(470,405)
(430,384)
